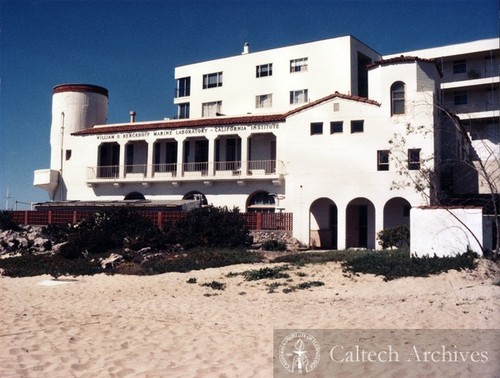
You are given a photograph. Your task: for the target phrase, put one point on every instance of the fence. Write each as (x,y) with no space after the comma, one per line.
(255,221)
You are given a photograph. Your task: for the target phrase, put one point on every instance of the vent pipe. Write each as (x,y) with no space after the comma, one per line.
(132,117)
(246,47)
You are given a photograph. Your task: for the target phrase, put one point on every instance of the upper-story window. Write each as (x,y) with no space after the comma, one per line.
(316,128)
(414,158)
(211,109)
(336,127)
(398,98)
(183,110)
(184,87)
(382,160)
(264,70)
(299,96)
(459,66)
(357,126)
(298,65)
(212,80)
(264,101)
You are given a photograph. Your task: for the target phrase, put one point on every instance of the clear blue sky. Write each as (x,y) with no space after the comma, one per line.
(132,47)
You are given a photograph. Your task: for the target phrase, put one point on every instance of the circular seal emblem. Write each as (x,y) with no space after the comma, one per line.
(299,352)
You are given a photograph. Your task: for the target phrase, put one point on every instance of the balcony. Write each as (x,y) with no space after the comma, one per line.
(206,172)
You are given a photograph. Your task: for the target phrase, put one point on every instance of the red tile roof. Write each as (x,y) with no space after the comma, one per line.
(218,121)
(400,59)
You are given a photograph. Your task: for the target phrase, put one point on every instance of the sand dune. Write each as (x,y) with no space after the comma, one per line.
(162,326)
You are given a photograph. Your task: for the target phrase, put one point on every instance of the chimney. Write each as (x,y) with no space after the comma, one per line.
(246,47)
(132,117)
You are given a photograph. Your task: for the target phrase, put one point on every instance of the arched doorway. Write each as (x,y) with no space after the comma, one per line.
(360,224)
(134,196)
(397,213)
(198,196)
(323,221)
(261,202)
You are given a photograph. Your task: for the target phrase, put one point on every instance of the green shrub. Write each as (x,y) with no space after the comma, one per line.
(123,228)
(396,237)
(55,265)
(266,273)
(210,227)
(6,222)
(393,266)
(215,285)
(274,245)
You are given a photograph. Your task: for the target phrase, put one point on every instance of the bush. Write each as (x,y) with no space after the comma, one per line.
(100,233)
(55,265)
(266,273)
(396,237)
(6,222)
(393,266)
(210,227)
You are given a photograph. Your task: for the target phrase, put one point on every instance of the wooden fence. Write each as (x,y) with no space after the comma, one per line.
(255,221)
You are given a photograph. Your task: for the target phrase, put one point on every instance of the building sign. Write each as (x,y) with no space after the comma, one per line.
(191,131)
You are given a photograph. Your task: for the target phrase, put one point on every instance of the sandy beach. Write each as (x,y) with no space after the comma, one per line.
(163,326)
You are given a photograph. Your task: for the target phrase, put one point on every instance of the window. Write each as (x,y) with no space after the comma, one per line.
(261,202)
(211,109)
(298,65)
(336,106)
(68,154)
(460,98)
(383,160)
(264,101)
(212,80)
(316,128)
(414,158)
(459,66)
(299,97)
(398,98)
(183,110)
(264,70)
(357,127)
(184,87)
(336,127)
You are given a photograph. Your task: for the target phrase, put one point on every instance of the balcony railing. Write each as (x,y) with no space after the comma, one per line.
(254,169)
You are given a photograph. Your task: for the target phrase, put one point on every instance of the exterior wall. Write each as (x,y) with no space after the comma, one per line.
(330,69)
(438,231)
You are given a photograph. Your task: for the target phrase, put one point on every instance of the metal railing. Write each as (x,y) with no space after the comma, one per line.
(239,168)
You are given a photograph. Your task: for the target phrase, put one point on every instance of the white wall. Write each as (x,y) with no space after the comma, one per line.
(440,231)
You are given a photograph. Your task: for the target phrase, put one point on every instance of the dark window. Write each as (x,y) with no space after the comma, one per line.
(460,98)
(336,127)
(398,98)
(264,70)
(184,87)
(414,158)
(316,128)
(357,126)
(68,154)
(212,80)
(184,110)
(383,160)
(459,66)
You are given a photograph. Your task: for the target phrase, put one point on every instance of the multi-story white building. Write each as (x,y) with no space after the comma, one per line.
(329,131)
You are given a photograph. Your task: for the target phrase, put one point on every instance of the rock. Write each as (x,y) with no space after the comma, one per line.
(111,261)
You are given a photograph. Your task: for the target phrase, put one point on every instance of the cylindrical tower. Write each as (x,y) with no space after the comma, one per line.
(75,107)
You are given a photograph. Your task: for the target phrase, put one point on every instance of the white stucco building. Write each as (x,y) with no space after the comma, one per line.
(329,131)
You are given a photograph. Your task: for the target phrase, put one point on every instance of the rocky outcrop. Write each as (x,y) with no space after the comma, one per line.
(28,239)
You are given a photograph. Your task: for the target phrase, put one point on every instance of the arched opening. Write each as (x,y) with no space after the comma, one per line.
(360,224)
(398,98)
(198,196)
(397,213)
(323,224)
(134,196)
(261,202)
